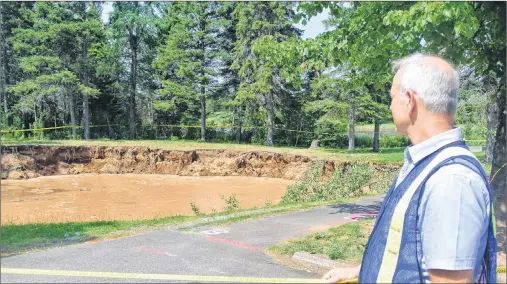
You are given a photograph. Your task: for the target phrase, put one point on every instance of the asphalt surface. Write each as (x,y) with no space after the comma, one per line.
(229,250)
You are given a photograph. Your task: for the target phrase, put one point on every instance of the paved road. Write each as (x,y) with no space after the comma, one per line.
(475,149)
(230,250)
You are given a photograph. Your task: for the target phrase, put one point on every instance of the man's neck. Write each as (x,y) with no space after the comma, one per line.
(431,126)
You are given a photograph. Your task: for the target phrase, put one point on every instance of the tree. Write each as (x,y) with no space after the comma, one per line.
(48,58)
(187,60)
(132,29)
(362,46)
(89,31)
(254,20)
(10,19)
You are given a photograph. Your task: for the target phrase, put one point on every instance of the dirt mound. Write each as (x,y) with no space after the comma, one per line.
(32,161)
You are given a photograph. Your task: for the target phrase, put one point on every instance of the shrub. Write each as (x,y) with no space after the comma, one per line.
(341,183)
(231,201)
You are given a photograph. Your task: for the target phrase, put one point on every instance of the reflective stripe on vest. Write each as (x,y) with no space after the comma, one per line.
(392,248)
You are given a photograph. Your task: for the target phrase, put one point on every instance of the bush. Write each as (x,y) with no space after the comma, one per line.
(342,183)
(366,141)
(382,184)
(328,131)
(231,201)
(474,131)
(391,141)
(307,189)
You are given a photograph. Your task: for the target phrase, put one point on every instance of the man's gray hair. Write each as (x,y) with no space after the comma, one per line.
(437,88)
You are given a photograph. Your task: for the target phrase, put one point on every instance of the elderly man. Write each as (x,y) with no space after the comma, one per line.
(436,222)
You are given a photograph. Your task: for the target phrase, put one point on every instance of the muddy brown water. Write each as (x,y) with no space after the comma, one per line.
(94,197)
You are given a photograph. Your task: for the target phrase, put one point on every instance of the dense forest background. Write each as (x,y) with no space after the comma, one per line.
(239,71)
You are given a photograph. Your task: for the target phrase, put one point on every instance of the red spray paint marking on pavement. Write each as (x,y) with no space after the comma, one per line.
(152,250)
(362,215)
(234,243)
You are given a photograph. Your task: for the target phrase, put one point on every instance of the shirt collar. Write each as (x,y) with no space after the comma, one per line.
(415,153)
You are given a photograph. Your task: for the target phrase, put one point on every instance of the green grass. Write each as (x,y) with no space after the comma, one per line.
(29,236)
(386,155)
(392,127)
(487,166)
(391,155)
(15,238)
(370,127)
(346,242)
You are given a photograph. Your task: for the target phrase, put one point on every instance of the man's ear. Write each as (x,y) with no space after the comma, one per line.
(411,100)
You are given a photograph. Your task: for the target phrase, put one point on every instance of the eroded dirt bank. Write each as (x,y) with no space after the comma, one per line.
(61,184)
(22,162)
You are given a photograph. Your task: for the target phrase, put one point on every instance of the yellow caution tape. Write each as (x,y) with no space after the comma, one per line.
(95,126)
(50,128)
(197,126)
(491,180)
(168,277)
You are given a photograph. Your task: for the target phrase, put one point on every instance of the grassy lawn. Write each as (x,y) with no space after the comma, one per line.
(346,242)
(386,155)
(391,155)
(487,166)
(370,127)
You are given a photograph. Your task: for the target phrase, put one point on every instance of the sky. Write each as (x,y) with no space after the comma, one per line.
(313,28)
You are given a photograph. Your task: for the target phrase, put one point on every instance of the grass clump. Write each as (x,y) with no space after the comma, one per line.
(346,242)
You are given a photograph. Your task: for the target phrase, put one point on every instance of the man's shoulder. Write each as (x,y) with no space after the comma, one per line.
(456,179)
(458,168)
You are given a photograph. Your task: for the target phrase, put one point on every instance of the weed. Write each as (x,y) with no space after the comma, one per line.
(231,201)
(195,209)
(267,202)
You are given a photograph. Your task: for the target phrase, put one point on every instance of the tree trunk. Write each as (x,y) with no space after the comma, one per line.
(72,109)
(86,117)
(36,124)
(238,132)
(3,101)
(498,176)
(203,117)
(202,44)
(376,136)
(491,127)
(86,105)
(3,73)
(271,119)
(25,125)
(352,122)
(299,131)
(133,81)
(110,129)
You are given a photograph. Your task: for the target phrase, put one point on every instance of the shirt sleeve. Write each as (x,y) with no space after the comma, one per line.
(454,217)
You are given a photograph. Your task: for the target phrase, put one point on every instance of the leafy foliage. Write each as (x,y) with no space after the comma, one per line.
(238,71)
(342,182)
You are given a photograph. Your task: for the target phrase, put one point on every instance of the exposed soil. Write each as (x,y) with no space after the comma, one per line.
(78,183)
(22,162)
